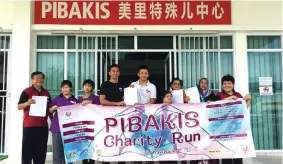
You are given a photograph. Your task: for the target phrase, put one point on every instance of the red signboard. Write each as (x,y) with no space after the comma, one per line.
(131,12)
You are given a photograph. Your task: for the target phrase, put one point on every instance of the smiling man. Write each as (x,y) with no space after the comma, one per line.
(35,129)
(146,90)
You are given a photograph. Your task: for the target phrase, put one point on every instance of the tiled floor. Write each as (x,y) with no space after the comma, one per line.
(260,159)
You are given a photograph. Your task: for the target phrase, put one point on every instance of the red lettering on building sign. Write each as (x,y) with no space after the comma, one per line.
(133,12)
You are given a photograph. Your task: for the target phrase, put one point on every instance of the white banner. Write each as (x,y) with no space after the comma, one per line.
(157,132)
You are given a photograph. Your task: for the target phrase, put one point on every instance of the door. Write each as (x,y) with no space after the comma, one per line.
(266,111)
(4,54)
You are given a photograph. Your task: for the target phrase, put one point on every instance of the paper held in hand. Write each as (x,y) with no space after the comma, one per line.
(39,108)
(131,96)
(178,96)
(193,94)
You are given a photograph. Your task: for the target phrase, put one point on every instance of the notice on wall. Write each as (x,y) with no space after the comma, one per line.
(265,86)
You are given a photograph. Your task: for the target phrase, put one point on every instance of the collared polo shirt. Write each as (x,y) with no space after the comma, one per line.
(223,95)
(33,121)
(146,92)
(60,101)
(92,98)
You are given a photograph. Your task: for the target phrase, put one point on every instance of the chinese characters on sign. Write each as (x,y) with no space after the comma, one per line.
(133,12)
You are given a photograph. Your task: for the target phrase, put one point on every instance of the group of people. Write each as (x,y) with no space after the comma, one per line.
(35,129)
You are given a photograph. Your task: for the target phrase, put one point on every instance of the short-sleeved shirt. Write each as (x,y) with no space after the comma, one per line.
(113,92)
(223,95)
(60,101)
(33,121)
(92,98)
(146,92)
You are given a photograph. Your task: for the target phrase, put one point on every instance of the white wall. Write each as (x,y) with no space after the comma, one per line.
(256,13)
(17,14)
(6,14)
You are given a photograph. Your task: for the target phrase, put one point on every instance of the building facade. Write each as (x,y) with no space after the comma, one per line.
(76,40)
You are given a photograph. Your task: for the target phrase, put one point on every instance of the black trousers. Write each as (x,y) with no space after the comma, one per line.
(34,145)
(232,161)
(88,161)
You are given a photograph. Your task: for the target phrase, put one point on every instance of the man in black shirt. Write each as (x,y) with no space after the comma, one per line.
(111,92)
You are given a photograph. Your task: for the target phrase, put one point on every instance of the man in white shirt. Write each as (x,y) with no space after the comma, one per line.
(146,90)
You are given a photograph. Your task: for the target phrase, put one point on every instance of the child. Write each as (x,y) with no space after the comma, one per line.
(177,84)
(64,99)
(88,98)
(167,99)
(228,93)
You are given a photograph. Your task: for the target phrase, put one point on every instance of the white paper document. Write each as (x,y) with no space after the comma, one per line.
(39,108)
(131,96)
(178,96)
(193,94)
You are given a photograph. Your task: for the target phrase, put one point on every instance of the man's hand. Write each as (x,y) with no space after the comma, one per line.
(30,101)
(121,103)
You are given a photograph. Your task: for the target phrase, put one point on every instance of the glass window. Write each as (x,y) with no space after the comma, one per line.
(205,59)
(85,67)
(155,42)
(3,75)
(52,65)
(107,43)
(126,42)
(4,42)
(212,66)
(266,111)
(50,42)
(4,54)
(211,42)
(191,42)
(264,42)
(227,64)
(71,42)
(215,71)
(86,43)
(226,42)
(71,67)
(191,67)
